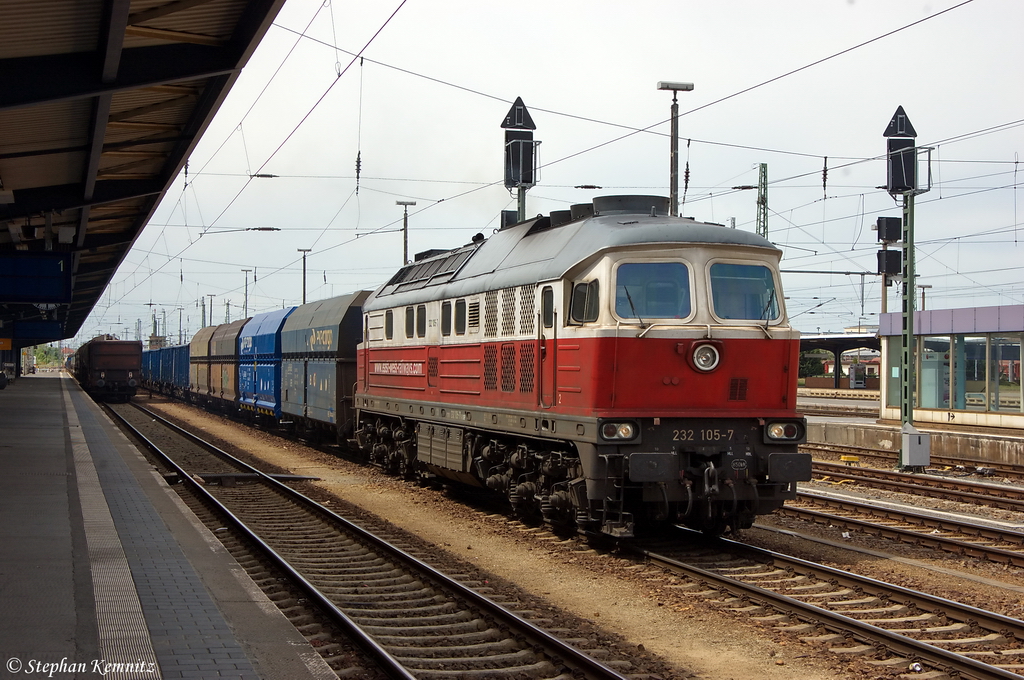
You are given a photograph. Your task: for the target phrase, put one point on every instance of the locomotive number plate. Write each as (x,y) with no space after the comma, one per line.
(702,435)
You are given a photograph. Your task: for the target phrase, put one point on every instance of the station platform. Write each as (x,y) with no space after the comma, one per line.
(104,573)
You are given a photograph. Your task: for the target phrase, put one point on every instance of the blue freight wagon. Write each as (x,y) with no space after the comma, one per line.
(174,370)
(318,365)
(150,367)
(259,363)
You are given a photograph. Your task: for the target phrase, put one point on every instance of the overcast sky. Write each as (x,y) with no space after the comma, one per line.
(801,85)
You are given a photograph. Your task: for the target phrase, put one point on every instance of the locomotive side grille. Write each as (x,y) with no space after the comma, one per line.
(527,357)
(491,314)
(432,367)
(474,316)
(738,389)
(527,314)
(508,312)
(490,367)
(508,367)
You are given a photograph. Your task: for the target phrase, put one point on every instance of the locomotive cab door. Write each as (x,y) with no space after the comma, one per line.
(547,339)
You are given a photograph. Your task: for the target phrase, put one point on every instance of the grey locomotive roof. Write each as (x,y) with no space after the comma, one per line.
(528,253)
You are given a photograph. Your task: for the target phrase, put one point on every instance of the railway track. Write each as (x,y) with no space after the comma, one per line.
(890,458)
(984,541)
(885,624)
(410,619)
(1001,496)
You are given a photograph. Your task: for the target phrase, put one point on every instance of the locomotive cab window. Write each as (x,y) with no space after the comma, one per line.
(446,318)
(744,291)
(652,290)
(547,306)
(460,317)
(421,321)
(585,302)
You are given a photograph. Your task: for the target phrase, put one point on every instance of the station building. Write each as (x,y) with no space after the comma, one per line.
(967,366)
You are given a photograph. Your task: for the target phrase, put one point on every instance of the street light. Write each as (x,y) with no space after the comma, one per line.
(674,152)
(405,230)
(304,251)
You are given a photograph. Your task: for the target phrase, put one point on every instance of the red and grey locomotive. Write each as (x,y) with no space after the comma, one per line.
(605,368)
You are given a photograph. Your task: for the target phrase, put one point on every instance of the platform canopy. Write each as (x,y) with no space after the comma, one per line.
(101,103)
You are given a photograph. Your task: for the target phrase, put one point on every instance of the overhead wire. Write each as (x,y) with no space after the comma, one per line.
(292,133)
(633,130)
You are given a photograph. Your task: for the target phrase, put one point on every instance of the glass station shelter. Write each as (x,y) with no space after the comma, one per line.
(968,366)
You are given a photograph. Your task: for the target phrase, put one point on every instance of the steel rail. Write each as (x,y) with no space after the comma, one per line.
(952,545)
(994,495)
(892,456)
(951,662)
(388,664)
(559,651)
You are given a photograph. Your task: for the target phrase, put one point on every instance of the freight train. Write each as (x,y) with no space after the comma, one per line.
(108,369)
(606,368)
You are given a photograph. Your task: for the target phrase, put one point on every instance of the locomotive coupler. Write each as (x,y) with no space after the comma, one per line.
(711,480)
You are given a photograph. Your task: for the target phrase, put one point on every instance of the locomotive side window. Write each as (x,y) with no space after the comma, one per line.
(389,325)
(547,306)
(743,291)
(652,290)
(446,318)
(421,321)
(585,302)
(460,317)
(410,321)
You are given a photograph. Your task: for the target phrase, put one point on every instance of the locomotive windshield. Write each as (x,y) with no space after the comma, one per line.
(743,291)
(652,290)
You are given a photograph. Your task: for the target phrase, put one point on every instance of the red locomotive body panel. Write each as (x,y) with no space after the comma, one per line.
(604,377)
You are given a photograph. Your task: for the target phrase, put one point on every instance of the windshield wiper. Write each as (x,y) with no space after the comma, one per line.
(629,298)
(764,314)
(767,307)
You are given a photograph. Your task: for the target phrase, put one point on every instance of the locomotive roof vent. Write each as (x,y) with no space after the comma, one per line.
(620,205)
(426,254)
(579,210)
(559,217)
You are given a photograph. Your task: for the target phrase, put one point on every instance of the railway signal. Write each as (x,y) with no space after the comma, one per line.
(901,180)
(520,153)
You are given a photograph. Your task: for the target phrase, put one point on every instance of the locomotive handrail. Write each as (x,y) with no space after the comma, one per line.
(667,325)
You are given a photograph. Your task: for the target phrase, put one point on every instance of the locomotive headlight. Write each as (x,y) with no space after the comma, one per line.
(706,357)
(784,431)
(619,431)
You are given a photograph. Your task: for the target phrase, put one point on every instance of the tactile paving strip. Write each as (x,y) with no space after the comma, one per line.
(123,635)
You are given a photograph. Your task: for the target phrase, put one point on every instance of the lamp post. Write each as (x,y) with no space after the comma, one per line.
(245,300)
(674,147)
(304,251)
(405,229)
